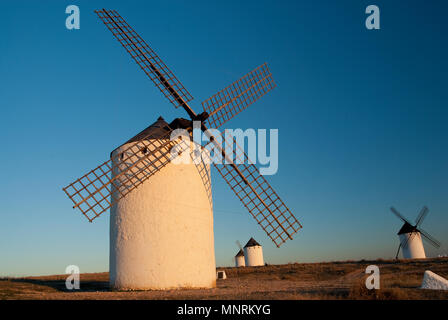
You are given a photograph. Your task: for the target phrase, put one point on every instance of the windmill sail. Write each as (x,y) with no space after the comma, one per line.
(398,214)
(404,243)
(102,187)
(421,216)
(407,240)
(429,238)
(259,197)
(230,101)
(145,57)
(203,168)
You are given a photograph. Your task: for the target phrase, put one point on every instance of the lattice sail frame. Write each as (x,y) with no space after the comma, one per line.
(257,195)
(236,97)
(145,57)
(202,163)
(104,186)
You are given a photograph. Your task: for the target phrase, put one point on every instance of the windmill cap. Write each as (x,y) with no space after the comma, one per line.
(407,228)
(156,130)
(252,243)
(240,253)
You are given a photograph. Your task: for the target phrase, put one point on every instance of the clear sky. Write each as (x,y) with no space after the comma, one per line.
(361,115)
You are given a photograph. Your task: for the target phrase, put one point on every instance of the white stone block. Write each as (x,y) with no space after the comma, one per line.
(433,281)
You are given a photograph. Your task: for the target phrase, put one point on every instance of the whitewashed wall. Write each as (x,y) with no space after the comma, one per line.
(414,248)
(253,256)
(161,234)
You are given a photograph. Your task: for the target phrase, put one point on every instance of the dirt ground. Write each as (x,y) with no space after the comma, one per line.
(330,280)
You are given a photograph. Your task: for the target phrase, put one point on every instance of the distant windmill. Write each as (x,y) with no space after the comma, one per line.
(161,229)
(410,236)
(239,257)
(253,253)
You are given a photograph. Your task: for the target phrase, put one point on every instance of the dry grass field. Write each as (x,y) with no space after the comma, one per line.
(329,280)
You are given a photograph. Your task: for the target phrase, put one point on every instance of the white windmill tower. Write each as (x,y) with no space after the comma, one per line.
(140,242)
(253,253)
(239,257)
(161,221)
(411,236)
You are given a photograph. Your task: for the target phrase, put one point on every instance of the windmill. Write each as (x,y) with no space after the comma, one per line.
(253,253)
(410,236)
(140,170)
(239,257)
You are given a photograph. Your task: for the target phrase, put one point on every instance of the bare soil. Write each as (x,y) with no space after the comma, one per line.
(400,279)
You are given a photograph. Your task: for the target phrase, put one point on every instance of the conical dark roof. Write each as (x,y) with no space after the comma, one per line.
(157,130)
(240,253)
(252,243)
(407,228)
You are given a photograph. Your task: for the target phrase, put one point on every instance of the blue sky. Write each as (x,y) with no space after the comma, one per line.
(361,116)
